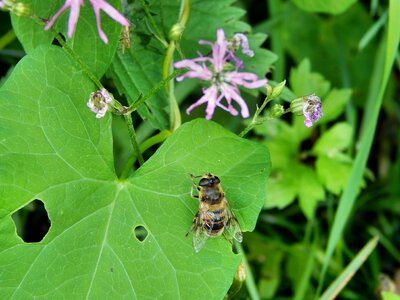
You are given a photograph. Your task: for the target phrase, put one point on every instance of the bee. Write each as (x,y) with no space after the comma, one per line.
(214,216)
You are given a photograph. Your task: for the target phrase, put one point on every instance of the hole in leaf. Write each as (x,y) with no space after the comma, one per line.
(32,222)
(140,233)
(55,42)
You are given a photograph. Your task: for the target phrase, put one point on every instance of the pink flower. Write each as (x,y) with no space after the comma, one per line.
(223,83)
(312,110)
(238,40)
(74,15)
(309,106)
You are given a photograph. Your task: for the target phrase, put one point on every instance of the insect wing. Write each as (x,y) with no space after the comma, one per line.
(232,226)
(199,238)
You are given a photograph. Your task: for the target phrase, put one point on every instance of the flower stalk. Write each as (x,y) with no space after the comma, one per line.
(272,94)
(132,135)
(174,36)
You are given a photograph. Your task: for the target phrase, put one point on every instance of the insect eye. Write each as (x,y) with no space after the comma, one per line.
(204,182)
(216,180)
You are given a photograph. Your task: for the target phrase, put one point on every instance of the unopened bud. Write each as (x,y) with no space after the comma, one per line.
(18,8)
(240,277)
(241,273)
(277,111)
(277,90)
(268,89)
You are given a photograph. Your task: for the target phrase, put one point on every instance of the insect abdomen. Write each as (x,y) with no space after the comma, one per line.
(214,221)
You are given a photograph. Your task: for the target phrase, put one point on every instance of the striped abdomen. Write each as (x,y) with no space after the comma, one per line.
(214,221)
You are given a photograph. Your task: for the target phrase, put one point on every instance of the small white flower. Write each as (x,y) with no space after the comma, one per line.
(98,102)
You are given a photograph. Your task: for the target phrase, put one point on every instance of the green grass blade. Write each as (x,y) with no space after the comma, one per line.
(341,281)
(372,32)
(347,200)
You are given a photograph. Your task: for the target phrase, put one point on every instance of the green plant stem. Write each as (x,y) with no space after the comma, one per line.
(174,113)
(250,283)
(156,139)
(157,32)
(184,12)
(7,38)
(136,104)
(132,135)
(257,121)
(167,67)
(254,121)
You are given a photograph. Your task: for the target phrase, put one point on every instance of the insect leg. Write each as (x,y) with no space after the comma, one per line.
(227,238)
(194,223)
(194,185)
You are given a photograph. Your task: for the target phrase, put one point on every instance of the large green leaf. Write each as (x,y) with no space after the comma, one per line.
(53,148)
(85,42)
(136,71)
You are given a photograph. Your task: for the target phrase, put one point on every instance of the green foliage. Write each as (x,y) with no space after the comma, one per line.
(137,70)
(390,296)
(54,149)
(293,177)
(332,40)
(325,6)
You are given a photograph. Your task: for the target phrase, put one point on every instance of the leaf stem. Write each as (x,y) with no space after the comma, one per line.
(132,135)
(156,139)
(250,283)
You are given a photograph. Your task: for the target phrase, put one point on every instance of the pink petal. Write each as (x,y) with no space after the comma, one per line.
(308,123)
(73,16)
(197,71)
(219,51)
(246,79)
(209,96)
(110,10)
(212,101)
(96,10)
(230,92)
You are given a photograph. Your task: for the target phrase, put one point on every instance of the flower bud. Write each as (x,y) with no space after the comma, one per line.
(277,111)
(268,89)
(277,90)
(309,106)
(18,8)
(237,283)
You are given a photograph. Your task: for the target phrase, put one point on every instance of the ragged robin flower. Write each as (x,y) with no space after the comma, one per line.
(97,5)
(223,80)
(309,106)
(98,102)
